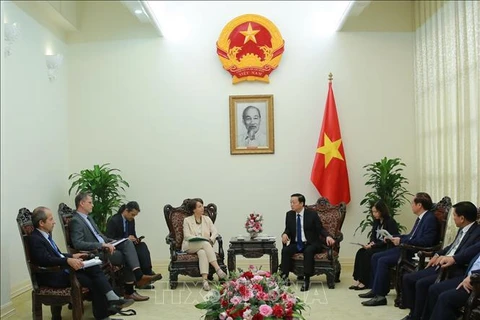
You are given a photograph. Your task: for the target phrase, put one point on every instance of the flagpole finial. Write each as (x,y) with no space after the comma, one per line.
(330,77)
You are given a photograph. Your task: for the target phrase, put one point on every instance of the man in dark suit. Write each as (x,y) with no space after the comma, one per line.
(85,235)
(45,253)
(424,234)
(415,285)
(122,225)
(447,297)
(303,229)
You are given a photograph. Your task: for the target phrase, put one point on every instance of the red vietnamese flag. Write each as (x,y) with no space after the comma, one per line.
(329,172)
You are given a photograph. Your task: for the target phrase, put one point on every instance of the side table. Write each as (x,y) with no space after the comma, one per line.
(252,248)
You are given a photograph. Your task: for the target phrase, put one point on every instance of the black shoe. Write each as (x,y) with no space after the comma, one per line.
(376,301)
(306,285)
(369,295)
(112,309)
(355,287)
(121,303)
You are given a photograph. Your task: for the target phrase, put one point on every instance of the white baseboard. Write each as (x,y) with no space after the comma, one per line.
(8,311)
(20,288)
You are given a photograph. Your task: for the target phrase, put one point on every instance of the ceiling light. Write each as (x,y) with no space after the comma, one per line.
(138,11)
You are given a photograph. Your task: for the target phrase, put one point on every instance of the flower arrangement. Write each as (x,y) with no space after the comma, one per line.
(254,223)
(252,295)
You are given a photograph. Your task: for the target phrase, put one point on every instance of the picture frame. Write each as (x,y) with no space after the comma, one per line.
(251,124)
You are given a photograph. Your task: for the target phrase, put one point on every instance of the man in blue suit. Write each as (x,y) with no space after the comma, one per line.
(447,297)
(415,285)
(424,234)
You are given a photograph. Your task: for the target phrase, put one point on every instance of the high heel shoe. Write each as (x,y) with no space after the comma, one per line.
(206,286)
(221,274)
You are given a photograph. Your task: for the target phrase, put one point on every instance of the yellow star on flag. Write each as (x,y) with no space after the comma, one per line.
(250,34)
(330,149)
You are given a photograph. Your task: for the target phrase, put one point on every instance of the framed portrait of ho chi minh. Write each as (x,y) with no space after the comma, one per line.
(251,124)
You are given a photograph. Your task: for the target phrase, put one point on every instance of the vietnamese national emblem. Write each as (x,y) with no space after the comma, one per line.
(250,48)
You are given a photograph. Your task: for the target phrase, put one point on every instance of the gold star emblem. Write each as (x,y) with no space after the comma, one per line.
(250,34)
(330,149)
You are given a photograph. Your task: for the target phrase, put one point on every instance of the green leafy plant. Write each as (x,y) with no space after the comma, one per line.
(106,187)
(386,179)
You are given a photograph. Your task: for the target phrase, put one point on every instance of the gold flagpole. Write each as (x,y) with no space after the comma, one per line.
(330,77)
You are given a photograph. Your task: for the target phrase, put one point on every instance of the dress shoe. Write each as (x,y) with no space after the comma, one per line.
(305,285)
(205,285)
(148,279)
(376,301)
(221,274)
(369,295)
(358,288)
(136,296)
(121,303)
(146,287)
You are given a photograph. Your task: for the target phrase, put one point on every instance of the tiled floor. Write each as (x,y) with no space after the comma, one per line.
(323,303)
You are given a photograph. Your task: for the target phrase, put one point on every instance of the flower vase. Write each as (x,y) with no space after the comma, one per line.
(253,235)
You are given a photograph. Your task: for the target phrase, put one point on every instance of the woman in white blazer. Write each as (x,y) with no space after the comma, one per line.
(201,228)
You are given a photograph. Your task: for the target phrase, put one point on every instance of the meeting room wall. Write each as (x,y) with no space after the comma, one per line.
(158,109)
(34,139)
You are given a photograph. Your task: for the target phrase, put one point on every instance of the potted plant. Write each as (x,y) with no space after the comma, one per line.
(106,187)
(386,179)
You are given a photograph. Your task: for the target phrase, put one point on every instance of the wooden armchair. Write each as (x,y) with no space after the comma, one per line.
(472,308)
(187,264)
(113,273)
(406,264)
(53,297)
(326,262)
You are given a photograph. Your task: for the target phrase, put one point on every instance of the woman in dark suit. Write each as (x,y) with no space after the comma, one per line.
(362,267)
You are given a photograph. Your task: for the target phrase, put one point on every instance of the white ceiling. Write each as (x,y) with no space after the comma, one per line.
(84,21)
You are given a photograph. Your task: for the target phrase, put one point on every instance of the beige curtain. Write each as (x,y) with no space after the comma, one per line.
(447,86)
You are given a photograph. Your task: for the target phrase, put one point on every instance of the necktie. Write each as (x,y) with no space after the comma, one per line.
(299,233)
(91,224)
(57,251)
(455,244)
(470,266)
(54,246)
(415,226)
(125,229)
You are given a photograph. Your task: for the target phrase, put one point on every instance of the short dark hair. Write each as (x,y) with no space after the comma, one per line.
(382,208)
(466,209)
(39,214)
(300,197)
(244,113)
(424,199)
(80,197)
(192,204)
(130,206)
